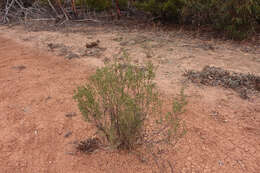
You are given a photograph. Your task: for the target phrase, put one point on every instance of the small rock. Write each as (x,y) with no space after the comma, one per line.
(136,61)
(26,109)
(258,84)
(257,108)
(76,142)
(118,39)
(54,45)
(164,61)
(93,52)
(82,52)
(123,43)
(132,42)
(220,163)
(214,113)
(71,56)
(106,60)
(92,44)
(71,114)
(19,67)
(26,39)
(63,51)
(48,98)
(208,47)
(67,134)
(70,153)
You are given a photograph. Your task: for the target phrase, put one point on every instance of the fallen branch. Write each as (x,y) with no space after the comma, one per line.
(52,7)
(64,12)
(7,8)
(44,19)
(84,20)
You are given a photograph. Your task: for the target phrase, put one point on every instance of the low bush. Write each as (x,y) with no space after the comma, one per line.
(120,98)
(101,5)
(98,5)
(169,10)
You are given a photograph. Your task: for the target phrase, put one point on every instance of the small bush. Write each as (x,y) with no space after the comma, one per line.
(167,10)
(118,100)
(99,5)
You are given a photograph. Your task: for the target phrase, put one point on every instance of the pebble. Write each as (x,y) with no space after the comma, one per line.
(220,163)
(68,134)
(71,56)
(71,114)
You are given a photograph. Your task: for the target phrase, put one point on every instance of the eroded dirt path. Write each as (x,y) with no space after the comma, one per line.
(36,89)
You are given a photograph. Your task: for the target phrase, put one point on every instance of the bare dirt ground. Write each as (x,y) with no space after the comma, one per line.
(39,71)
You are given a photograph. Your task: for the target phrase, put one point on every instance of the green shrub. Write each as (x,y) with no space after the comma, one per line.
(168,10)
(198,12)
(99,5)
(119,98)
(237,18)
(123,4)
(2,4)
(172,10)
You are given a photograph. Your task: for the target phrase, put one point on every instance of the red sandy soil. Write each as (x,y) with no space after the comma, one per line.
(36,90)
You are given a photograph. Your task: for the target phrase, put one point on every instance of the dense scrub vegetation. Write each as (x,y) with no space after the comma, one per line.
(237,19)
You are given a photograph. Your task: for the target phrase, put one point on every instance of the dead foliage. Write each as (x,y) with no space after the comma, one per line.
(92,44)
(89,145)
(244,84)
